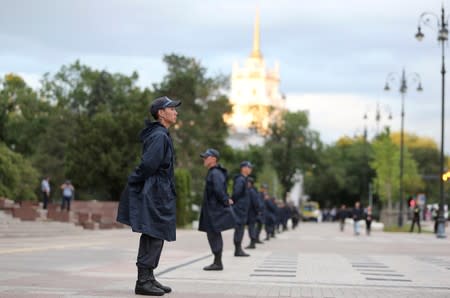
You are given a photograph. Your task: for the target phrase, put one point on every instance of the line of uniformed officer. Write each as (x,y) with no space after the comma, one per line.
(246,206)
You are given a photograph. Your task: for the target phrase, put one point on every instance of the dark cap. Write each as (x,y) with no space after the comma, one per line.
(162,103)
(250,180)
(265,186)
(210,152)
(246,163)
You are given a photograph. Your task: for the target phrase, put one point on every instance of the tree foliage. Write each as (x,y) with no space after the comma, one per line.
(18,178)
(386,161)
(293,146)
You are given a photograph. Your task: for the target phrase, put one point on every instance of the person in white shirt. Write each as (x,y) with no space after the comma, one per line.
(67,194)
(45,189)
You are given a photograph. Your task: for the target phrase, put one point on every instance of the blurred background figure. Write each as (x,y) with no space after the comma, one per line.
(368,218)
(45,189)
(415,217)
(342,214)
(68,192)
(357,216)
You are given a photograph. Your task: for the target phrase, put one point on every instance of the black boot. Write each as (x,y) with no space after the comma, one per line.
(217,264)
(238,251)
(267,237)
(251,245)
(146,286)
(258,241)
(166,289)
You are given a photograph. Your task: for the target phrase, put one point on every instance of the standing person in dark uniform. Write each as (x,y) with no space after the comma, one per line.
(295,215)
(148,203)
(270,216)
(253,212)
(279,217)
(261,215)
(285,215)
(216,215)
(416,217)
(241,201)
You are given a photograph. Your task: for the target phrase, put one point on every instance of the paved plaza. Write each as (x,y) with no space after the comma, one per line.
(315,260)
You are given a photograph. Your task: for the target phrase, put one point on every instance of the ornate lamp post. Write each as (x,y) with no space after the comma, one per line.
(403,80)
(441,25)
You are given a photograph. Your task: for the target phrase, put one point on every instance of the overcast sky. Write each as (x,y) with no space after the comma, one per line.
(334,55)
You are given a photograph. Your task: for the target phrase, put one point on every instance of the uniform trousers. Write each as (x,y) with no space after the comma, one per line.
(259,225)
(215,241)
(252,230)
(150,249)
(239,233)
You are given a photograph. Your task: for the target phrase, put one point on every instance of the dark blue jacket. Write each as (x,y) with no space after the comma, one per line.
(216,214)
(262,207)
(271,212)
(254,207)
(148,203)
(241,199)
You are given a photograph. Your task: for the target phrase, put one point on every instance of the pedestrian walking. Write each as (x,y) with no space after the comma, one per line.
(216,214)
(148,203)
(45,190)
(357,215)
(368,218)
(253,212)
(416,217)
(68,192)
(241,202)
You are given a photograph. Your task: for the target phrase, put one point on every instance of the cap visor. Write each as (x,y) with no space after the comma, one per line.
(174,103)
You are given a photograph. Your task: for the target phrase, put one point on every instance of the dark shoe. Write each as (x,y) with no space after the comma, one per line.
(148,288)
(240,253)
(251,245)
(166,289)
(259,242)
(213,267)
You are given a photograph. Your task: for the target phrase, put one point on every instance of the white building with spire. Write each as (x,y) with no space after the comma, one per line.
(255,96)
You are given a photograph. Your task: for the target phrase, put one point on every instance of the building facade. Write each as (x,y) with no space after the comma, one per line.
(255,96)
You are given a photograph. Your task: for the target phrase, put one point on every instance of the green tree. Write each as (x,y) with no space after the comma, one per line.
(341,173)
(105,113)
(183,189)
(385,163)
(293,146)
(18,178)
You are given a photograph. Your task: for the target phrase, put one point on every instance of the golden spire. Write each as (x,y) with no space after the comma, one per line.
(256,53)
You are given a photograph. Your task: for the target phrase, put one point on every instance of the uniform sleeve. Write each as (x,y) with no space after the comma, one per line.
(239,188)
(218,180)
(255,200)
(151,160)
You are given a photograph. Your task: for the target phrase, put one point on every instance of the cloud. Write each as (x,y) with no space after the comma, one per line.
(336,115)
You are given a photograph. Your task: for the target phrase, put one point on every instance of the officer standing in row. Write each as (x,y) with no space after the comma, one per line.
(270,216)
(216,215)
(148,203)
(253,212)
(241,202)
(261,215)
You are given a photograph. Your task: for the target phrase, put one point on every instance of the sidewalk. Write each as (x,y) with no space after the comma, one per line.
(316,260)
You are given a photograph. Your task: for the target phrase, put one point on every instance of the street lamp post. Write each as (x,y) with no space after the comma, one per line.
(403,79)
(441,26)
